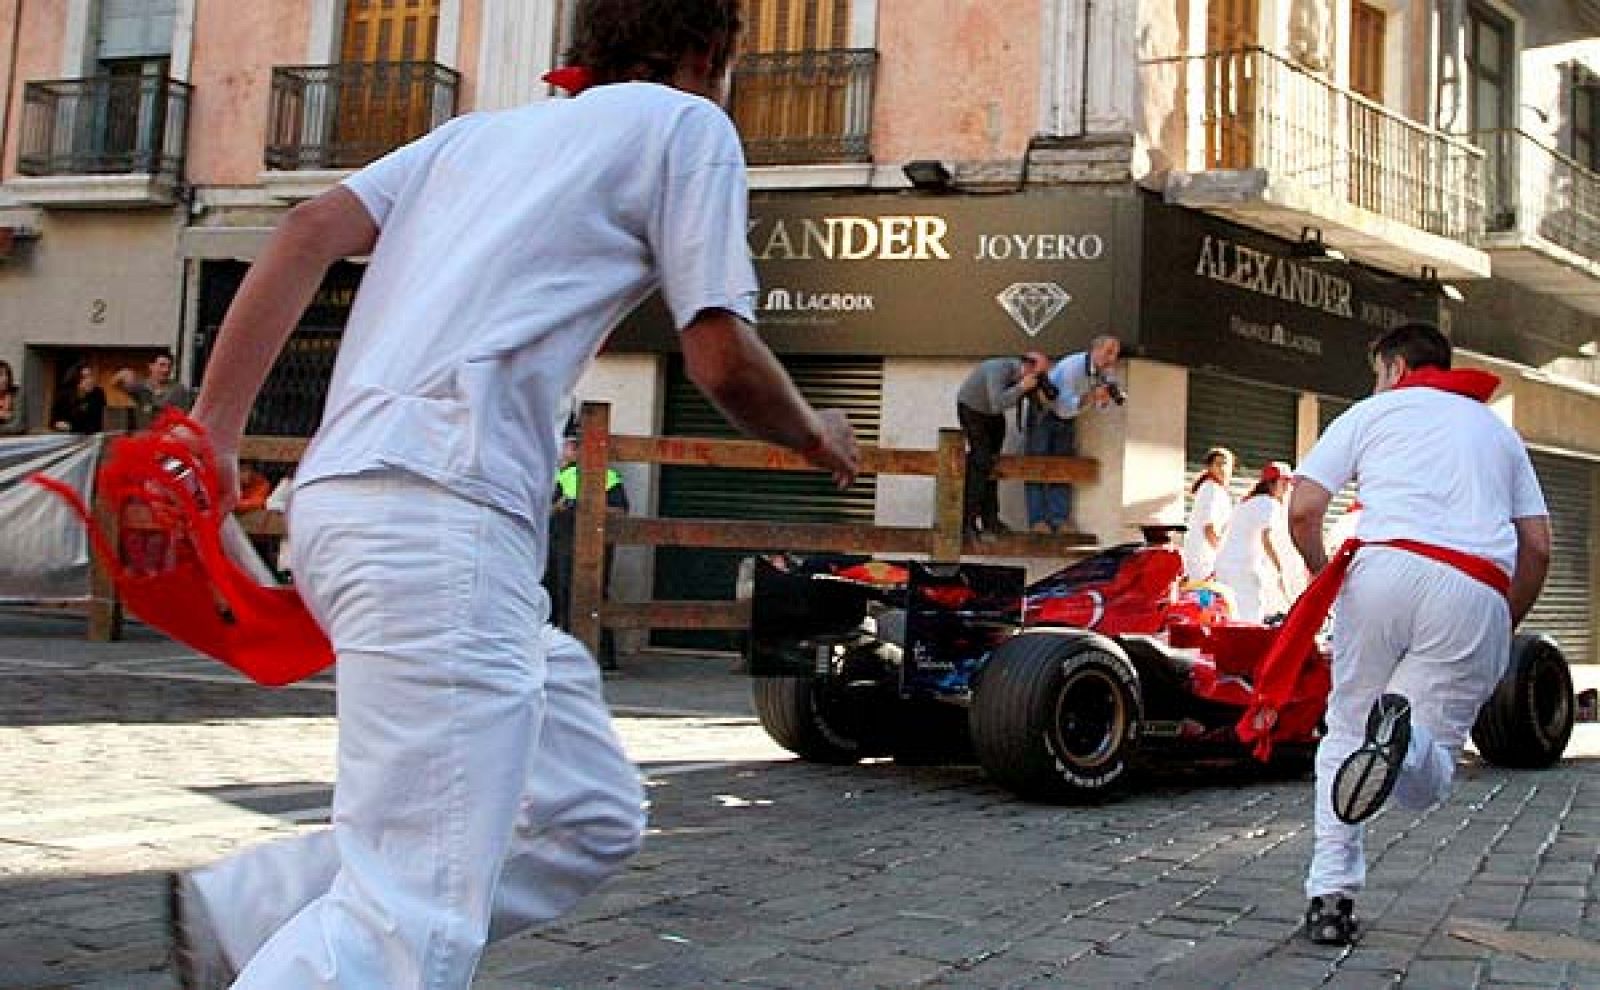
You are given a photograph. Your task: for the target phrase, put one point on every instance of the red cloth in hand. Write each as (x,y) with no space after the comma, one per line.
(171,570)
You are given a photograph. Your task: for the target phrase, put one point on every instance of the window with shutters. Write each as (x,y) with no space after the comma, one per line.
(1583,116)
(1232,30)
(385,90)
(1368,40)
(800,93)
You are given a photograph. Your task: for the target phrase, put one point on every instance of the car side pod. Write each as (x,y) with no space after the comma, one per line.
(1057,714)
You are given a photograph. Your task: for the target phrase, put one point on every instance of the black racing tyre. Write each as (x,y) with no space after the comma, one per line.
(1526,723)
(1056,715)
(804,717)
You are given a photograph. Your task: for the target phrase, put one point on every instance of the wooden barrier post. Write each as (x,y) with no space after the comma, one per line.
(950,490)
(588,592)
(105,609)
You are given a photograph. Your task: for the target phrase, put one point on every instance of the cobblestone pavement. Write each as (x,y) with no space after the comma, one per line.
(124,760)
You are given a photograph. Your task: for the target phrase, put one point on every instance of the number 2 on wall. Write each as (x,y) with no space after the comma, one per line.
(97,311)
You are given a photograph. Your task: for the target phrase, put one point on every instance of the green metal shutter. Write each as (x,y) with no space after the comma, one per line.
(1565,608)
(852,384)
(690,574)
(1257,422)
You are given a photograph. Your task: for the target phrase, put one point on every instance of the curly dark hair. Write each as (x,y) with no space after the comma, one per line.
(645,39)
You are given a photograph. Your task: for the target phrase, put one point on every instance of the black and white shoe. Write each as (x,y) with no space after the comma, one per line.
(1367,777)
(197,955)
(1332,925)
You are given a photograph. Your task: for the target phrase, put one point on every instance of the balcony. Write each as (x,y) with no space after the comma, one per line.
(805,108)
(325,120)
(1273,146)
(101,141)
(1544,218)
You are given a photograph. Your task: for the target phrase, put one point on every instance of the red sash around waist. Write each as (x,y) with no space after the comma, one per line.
(1280,670)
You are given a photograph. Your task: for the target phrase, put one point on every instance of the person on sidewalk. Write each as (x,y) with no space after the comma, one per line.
(1081,380)
(1208,518)
(993,387)
(1450,553)
(1248,562)
(480,785)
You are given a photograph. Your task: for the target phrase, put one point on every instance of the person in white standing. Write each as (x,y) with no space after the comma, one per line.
(1248,561)
(1208,517)
(1451,550)
(480,786)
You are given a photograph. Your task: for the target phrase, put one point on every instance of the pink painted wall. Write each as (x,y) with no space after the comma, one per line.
(467,53)
(957,79)
(236,46)
(38,57)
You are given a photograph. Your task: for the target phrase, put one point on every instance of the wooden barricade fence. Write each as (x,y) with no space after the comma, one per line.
(595,528)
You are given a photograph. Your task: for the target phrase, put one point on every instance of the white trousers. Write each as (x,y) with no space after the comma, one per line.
(481,788)
(1415,627)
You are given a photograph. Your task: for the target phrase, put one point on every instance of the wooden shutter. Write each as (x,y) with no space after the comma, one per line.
(389,30)
(796,25)
(1368,37)
(1231,30)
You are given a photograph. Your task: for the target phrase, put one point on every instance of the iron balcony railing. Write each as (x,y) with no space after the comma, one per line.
(1250,108)
(805,108)
(347,115)
(1534,189)
(104,125)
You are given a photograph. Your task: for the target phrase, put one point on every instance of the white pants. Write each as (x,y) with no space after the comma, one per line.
(1249,598)
(481,788)
(1415,627)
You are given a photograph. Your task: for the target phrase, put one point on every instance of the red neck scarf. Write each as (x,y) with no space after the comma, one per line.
(572,78)
(1470,382)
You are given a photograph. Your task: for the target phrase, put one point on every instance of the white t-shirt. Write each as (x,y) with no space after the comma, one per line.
(510,245)
(1242,555)
(1432,466)
(1212,506)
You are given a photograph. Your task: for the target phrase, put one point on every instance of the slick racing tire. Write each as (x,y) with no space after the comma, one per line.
(805,717)
(1056,715)
(1526,723)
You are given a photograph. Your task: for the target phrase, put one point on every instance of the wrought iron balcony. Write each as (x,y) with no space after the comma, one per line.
(1534,189)
(346,115)
(1252,109)
(104,125)
(805,108)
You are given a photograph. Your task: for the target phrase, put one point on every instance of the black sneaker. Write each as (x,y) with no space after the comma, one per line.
(196,954)
(1366,778)
(1336,926)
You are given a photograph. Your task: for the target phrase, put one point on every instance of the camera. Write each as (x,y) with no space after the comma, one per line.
(1114,390)
(1047,388)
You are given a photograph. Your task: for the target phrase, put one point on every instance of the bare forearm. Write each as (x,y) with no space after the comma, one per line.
(1307,537)
(1533,564)
(755,393)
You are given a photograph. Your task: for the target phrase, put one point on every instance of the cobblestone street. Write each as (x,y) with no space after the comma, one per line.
(126,760)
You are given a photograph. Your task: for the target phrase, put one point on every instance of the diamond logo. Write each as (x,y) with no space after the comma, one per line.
(1033,304)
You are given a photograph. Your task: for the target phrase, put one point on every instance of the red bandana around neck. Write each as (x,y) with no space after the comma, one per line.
(572,78)
(1470,382)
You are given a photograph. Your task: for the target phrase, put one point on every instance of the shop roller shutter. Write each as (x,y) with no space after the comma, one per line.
(1257,422)
(688,574)
(1565,608)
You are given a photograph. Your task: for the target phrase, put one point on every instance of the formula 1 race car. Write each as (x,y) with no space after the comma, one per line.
(1062,688)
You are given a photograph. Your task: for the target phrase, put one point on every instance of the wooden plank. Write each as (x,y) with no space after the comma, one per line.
(275,450)
(756,455)
(677,615)
(105,610)
(588,590)
(755,535)
(949,501)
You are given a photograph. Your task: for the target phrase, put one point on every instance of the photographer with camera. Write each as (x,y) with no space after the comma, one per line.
(1078,381)
(993,387)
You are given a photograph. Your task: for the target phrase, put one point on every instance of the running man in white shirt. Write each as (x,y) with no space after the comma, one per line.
(481,788)
(1208,518)
(1454,545)
(1248,561)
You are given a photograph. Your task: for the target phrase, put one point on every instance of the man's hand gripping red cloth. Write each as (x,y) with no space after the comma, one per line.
(170,568)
